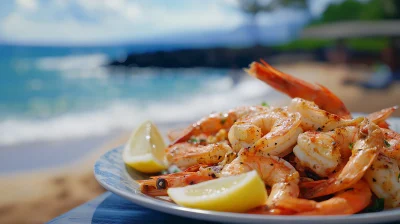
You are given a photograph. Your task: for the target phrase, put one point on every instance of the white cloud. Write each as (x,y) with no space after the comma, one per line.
(100,21)
(30,5)
(126,9)
(94,21)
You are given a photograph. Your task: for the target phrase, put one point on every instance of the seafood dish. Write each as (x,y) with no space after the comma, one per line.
(312,155)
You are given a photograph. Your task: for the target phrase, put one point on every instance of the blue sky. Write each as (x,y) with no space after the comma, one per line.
(109,21)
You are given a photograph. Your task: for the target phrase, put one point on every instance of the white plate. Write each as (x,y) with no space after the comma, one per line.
(111,172)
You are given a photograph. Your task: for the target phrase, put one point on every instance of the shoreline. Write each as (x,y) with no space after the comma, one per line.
(43,155)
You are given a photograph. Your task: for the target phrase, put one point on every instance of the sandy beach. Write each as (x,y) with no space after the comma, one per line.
(46,193)
(53,187)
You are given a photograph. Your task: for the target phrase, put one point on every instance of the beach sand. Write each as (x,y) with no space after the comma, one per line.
(38,196)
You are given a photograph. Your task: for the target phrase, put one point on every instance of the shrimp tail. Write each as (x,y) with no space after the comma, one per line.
(280,81)
(295,87)
(349,201)
(380,117)
(314,189)
(297,204)
(346,202)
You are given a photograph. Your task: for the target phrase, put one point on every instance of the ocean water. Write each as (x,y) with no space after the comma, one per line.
(49,94)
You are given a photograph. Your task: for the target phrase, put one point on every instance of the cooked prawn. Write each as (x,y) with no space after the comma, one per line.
(365,150)
(186,154)
(383,178)
(383,175)
(158,185)
(271,132)
(295,87)
(280,175)
(349,201)
(316,119)
(320,95)
(214,122)
(322,152)
(392,144)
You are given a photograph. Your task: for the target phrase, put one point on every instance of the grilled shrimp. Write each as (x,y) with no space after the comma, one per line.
(279,127)
(295,87)
(271,132)
(383,175)
(213,123)
(274,171)
(186,154)
(322,152)
(314,118)
(158,185)
(349,201)
(392,144)
(320,95)
(383,178)
(365,150)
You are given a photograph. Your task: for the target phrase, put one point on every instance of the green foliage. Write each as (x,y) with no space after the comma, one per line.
(349,10)
(372,11)
(362,44)
(304,44)
(343,11)
(368,44)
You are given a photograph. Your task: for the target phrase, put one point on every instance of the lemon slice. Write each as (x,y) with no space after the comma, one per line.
(230,194)
(144,151)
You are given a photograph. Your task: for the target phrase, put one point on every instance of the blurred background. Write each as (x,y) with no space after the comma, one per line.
(78,75)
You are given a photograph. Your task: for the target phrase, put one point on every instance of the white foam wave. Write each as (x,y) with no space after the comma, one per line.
(126,115)
(75,66)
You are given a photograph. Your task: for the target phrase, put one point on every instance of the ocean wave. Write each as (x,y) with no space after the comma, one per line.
(219,95)
(75,66)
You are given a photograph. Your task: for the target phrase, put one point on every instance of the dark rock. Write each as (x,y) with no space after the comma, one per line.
(186,58)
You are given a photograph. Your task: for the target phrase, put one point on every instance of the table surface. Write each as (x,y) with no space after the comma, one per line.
(111,208)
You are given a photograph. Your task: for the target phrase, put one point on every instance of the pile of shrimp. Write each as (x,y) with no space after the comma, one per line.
(314,157)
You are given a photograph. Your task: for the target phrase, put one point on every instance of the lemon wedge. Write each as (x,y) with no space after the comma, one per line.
(229,194)
(144,151)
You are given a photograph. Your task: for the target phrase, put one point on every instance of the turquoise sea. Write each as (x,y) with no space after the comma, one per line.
(58,93)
